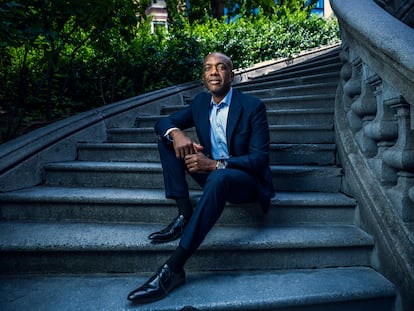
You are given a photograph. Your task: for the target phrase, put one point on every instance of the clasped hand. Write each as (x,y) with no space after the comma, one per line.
(191,152)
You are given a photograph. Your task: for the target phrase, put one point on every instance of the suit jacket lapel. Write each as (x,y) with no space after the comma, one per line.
(233,117)
(204,122)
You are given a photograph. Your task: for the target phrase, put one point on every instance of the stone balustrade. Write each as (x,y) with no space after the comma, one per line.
(374,128)
(379,109)
(379,118)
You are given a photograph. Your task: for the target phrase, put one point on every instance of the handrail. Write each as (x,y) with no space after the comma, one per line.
(381,40)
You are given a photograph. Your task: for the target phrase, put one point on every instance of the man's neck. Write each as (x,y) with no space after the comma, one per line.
(217,98)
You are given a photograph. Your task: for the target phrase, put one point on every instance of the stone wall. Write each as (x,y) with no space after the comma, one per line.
(374,119)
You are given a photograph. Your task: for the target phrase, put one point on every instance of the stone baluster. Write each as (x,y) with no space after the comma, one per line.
(365,107)
(345,74)
(412,116)
(401,158)
(366,103)
(411,191)
(352,89)
(411,194)
(383,130)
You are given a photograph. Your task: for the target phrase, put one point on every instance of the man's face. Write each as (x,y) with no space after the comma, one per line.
(217,74)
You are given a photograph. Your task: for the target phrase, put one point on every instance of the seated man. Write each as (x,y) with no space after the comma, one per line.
(230,162)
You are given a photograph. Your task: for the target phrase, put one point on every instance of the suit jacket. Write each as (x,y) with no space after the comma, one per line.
(247,135)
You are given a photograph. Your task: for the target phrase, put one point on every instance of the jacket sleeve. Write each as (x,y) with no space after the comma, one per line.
(182,119)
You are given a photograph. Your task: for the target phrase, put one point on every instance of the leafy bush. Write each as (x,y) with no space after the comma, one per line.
(70,65)
(252,40)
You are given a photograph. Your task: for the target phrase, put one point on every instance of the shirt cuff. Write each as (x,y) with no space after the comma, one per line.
(167,133)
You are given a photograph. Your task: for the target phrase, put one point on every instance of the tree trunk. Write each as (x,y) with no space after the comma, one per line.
(217,8)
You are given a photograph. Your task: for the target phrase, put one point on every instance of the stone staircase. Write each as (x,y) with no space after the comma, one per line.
(79,240)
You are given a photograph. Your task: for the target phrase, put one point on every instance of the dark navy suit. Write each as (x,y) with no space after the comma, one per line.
(247,177)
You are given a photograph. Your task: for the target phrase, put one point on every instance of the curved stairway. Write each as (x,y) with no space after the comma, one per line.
(79,240)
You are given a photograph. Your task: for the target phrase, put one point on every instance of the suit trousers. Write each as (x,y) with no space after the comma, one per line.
(219,186)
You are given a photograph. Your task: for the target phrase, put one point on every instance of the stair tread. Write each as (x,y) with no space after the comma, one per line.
(306,96)
(37,236)
(279,78)
(102,165)
(131,129)
(303,127)
(300,110)
(205,291)
(111,145)
(294,87)
(98,165)
(122,195)
(304,110)
(131,145)
(315,65)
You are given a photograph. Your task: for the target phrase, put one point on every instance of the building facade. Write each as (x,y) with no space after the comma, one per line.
(159,14)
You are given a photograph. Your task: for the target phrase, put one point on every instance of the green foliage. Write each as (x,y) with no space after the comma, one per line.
(249,40)
(61,57)
(268,7)
(44,43)
(199,9)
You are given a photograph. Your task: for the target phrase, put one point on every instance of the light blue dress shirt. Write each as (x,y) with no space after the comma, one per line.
(218,126)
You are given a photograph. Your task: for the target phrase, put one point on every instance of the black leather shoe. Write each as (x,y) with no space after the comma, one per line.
(172,232)
(158,286)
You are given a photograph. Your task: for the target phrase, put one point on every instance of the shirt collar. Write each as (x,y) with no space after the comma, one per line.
(226,100)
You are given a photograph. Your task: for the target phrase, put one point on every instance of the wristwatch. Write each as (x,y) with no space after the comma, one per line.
(221,164)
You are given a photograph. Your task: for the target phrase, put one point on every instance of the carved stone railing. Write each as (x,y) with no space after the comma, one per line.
(374,120)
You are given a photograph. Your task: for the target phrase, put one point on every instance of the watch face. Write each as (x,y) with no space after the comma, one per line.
(221,164)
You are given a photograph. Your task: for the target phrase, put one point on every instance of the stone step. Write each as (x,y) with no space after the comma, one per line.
(278,80)
(131,135)
(306,89)
(296,133)
(306,178)
(118,152)
(330,65)
(302,154)
(345,289)
(29,247)
(150,206)
(167,110)
(353,289)
(149,176)
(326,100)
(149,120)
(318,154)
(301,116)
(312,66)
(280,116)
(302,134)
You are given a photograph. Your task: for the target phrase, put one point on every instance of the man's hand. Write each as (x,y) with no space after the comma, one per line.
(191,152)
(199,163)
(183,145)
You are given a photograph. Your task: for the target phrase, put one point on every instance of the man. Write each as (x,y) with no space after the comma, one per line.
(230,162)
